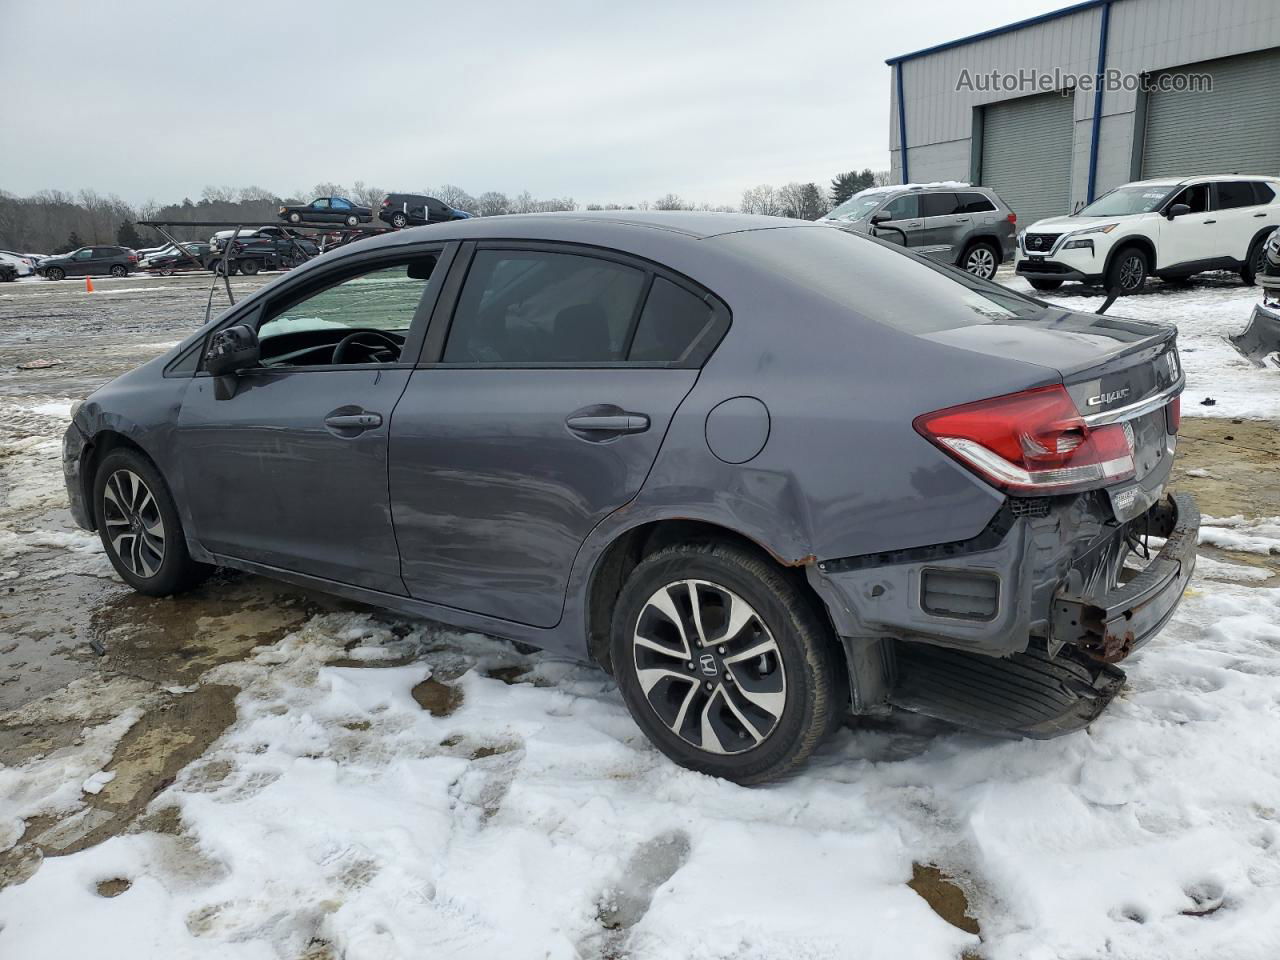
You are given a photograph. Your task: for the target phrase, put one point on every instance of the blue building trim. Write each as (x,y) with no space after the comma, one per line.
(902,127)
(998,31)
(1103,28)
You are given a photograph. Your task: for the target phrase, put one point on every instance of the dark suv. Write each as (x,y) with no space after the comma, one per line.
(968,227)
(413,209)
(89,262)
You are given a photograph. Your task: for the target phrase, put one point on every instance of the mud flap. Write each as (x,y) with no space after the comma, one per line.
(1024,695)
(1260,341)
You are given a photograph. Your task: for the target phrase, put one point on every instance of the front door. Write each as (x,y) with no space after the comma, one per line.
(81,264)
(543,415)
(291,471)
(1193,236)
(905,226)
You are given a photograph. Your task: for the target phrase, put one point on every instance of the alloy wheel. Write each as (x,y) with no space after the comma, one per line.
(981,263)
(709,667)
(133,523)
(1131,272)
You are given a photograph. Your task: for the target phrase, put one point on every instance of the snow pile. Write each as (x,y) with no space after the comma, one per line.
(932,185)
(535,821)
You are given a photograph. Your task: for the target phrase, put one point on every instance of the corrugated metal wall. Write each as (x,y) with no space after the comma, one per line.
(1026,155)
(1145,36)
(1238,120)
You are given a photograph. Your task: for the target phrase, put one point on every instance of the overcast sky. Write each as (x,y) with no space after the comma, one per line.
(597,101)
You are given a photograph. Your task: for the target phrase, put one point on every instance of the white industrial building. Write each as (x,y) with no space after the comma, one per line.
(1021,109)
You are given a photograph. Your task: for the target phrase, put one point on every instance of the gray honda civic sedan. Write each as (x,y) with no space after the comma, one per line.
(767,473)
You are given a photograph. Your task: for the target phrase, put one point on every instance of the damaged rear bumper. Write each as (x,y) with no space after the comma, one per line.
(1109,625)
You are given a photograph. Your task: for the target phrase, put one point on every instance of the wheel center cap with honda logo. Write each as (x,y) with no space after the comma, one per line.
(708,664)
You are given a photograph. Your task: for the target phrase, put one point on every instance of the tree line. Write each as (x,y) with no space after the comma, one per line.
(56,221)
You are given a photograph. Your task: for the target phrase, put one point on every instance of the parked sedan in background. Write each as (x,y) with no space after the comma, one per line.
(327,210)
(558,428)
(97,261)
(23,265)
(193,256)
(969,227)
(414,209)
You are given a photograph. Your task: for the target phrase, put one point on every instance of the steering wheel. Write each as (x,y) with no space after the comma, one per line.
(340,350)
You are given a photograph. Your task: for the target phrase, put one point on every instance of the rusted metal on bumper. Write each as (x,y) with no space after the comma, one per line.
(1111,625)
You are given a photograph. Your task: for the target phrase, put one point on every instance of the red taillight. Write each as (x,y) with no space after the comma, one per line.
(386,202)
(1031,441)
(1173,414)
(1012,217)
(133,259)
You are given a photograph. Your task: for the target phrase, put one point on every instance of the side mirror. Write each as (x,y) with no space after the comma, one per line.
(880,217)
(1178,210)
(231,349)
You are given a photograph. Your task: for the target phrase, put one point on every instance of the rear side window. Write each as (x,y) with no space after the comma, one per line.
(1263,193)
(938,205)
(523,307)
(673,321)
(1235,194)
(974,203)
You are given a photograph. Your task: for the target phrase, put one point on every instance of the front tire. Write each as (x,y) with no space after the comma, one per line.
(981,260)
(1128,271)
(139,526)
(249,267)
(1044,286)
(55,273)
(295,217)
(724,664)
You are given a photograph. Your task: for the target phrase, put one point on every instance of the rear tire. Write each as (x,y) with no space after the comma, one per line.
(748,703)
(1044,286)
(1128,271)
(139,526)
(118,271)
(249,267)
(1256,260)
(981,260)
(353,221)
(399,221)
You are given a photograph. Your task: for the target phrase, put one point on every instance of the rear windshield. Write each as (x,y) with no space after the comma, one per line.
(878,280)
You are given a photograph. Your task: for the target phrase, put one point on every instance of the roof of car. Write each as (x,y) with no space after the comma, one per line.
(698,224)
(1175,181)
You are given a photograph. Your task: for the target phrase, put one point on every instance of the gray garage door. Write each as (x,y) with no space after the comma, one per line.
(1026,155)
(1233,128)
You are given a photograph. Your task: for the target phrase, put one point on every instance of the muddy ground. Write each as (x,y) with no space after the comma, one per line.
(67,623)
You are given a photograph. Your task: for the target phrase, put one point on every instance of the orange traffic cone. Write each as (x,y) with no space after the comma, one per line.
(88,284)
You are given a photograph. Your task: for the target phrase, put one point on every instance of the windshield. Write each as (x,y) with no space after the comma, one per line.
(857,207)
(878,281)
(1126,200)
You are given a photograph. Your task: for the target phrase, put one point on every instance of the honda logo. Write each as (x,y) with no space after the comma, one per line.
(708,664)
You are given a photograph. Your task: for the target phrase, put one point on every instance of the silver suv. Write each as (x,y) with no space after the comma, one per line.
(955,223)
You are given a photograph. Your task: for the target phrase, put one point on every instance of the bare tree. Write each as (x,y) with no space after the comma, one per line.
(455,197)
(492,204)
(367,195)
(883,178)
(670,201)
(763,200)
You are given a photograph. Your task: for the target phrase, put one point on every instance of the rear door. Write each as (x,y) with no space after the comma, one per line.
(540,413)
(1240,216)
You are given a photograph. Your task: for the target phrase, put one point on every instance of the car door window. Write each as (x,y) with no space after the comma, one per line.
(339,204)
(381,302)
(1263,193)
(672,324)
(1195,196)
(321,204)
(533,307)
(974,203)
(1235,193)
(903,208)
(84,254)
(938,205)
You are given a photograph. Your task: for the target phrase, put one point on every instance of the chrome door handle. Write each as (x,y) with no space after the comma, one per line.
(354,421)
(615,423)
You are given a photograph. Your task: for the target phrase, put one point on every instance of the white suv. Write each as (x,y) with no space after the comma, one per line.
(1168,228)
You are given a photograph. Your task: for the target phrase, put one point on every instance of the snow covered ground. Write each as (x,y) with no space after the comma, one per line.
(393,790)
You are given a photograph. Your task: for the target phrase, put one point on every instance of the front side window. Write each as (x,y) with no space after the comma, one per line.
(938,205)
(84,253)
(906,207)
(525,307)
(1195,196)
(321,204)
(379,303)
